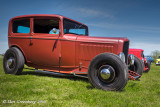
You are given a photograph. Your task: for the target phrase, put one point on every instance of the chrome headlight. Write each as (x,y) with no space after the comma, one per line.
(143,60)
(122,56)
(131,59)
(146,61)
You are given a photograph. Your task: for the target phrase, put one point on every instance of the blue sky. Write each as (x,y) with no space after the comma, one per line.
(138,20)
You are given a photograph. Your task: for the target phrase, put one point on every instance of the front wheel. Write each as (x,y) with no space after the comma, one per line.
(108,72)
(138,66)
(13,61)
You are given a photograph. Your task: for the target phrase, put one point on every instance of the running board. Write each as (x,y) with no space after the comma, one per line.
(60,74)
(51,73)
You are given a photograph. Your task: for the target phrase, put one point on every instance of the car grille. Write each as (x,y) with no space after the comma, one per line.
(125,50)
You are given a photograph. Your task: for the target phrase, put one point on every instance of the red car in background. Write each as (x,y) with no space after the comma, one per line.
(140,60)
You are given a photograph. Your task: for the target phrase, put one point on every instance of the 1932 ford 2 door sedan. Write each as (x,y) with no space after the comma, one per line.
(59,44)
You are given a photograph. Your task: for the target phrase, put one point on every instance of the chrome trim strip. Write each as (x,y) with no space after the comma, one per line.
(60,40)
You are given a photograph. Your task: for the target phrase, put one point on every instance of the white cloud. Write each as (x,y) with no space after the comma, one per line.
(3,47)
(126,27)
(146,46)
(92,13)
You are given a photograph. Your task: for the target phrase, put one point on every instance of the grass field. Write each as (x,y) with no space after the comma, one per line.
(48,90)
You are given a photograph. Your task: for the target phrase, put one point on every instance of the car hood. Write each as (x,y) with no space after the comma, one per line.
(101,39)
(94,39)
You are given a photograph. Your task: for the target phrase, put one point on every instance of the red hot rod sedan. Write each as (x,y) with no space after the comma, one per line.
(140,63)
(59,44)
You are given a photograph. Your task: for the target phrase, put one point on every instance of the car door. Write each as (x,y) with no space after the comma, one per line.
(45,46)
(19,33)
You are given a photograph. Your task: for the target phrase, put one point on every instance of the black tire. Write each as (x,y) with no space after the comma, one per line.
(13,61)
(138,66)
(148,64)
(117,80)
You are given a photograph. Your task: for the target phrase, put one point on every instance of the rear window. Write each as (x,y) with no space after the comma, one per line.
(45,26)
(21,26)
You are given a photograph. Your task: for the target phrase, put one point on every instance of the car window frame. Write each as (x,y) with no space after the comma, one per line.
(44,34)
(20,34)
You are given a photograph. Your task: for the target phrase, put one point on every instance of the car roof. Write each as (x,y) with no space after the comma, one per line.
(132,49)
(45,15)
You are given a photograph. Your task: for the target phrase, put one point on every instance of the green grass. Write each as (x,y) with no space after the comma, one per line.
(73,91)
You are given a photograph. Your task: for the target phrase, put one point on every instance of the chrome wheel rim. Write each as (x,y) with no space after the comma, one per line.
(11,62)
(106,73)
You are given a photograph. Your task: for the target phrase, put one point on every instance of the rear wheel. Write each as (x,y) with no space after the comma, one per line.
(148,66)
(108,72)
(138,66)
(13,61)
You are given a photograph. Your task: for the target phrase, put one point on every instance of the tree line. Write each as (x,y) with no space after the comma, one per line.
(155,54)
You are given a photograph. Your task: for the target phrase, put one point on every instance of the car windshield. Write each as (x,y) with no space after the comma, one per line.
(71,27)
(142,55)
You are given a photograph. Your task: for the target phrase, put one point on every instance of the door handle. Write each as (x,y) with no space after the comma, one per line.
(30,40)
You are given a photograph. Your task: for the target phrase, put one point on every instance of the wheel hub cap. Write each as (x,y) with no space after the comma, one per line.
(105,73)
(10,62)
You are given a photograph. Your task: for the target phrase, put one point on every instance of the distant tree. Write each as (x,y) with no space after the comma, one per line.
(155,54)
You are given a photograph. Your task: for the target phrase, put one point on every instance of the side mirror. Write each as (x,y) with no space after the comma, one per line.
(54,30)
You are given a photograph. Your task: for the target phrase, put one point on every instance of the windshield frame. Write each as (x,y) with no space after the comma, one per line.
(142,54)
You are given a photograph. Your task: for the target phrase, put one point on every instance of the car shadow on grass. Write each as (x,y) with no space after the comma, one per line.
(59,75)
(65,76)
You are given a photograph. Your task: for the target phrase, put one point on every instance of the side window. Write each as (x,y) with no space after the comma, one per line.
(21,26)
(45,26)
